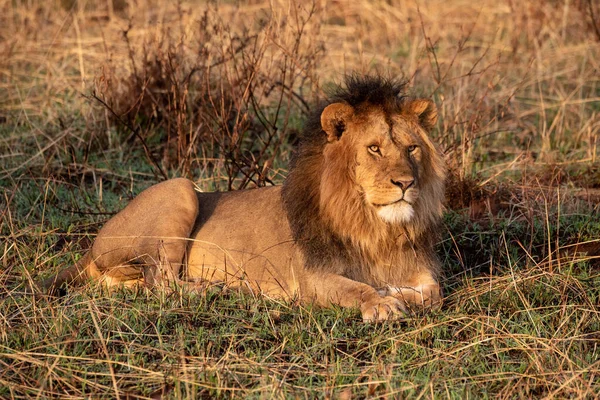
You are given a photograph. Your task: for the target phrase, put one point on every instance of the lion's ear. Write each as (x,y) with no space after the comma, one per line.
(334,118)
(425,110)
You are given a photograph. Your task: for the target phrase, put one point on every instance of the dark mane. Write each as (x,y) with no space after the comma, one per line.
(358,91)
(322,246)
(373,90)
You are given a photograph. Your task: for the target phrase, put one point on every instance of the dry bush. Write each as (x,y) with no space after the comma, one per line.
(210,90)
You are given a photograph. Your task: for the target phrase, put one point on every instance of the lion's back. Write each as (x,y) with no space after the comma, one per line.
(243,234)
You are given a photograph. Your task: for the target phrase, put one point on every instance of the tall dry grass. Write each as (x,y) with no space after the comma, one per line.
(518,77)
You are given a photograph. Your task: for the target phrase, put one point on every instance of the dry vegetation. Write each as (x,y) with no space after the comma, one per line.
(100,99)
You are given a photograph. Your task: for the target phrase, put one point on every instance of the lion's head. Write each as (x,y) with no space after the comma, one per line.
(365,173)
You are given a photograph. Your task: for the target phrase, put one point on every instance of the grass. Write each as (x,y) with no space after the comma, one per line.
(99,100)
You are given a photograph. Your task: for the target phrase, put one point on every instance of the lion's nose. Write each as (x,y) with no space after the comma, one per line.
(403,183)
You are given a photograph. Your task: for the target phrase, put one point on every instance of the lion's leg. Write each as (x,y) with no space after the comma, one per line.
(162,259)
(149,236)
(77,274)
(327,288)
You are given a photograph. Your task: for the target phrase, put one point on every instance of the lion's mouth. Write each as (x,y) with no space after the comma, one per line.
(402,200)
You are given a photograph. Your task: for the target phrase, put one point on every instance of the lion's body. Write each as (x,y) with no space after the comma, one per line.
(257,250)
(354,223)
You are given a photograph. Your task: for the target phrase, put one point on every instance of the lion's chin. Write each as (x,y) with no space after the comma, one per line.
(397,213)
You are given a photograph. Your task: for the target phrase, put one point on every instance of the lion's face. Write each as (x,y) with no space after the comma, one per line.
(390,156)
(389,166)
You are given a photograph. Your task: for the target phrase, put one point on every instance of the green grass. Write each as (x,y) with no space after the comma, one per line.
(231,345)
(516,320)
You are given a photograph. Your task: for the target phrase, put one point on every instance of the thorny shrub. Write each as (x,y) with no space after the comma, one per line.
(216,97)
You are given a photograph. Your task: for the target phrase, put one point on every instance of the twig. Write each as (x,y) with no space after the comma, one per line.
(83,212)
(134,131)
(593,17)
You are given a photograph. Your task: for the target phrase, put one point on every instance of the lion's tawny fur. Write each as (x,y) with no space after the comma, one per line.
(354,223)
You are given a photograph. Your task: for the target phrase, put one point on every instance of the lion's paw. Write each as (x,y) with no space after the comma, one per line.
(382,309)
(418,298)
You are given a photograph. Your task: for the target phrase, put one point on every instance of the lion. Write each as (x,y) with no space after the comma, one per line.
(354,223)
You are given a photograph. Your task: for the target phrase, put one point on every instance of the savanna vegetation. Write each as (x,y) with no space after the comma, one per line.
(100,99)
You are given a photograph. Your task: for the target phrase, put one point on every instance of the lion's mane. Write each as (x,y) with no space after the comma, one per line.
(330,220)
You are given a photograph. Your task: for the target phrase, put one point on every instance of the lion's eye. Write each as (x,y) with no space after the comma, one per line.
(412,148)
(374,149)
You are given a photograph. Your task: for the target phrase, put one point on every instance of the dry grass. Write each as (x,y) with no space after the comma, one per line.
(98,100)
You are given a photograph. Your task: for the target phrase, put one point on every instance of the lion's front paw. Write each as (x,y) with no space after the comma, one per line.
(418,298)
(382,309)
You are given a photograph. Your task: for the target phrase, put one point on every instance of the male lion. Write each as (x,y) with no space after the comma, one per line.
(354,223)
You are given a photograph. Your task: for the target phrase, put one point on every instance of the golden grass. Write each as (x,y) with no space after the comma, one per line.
(526,71)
